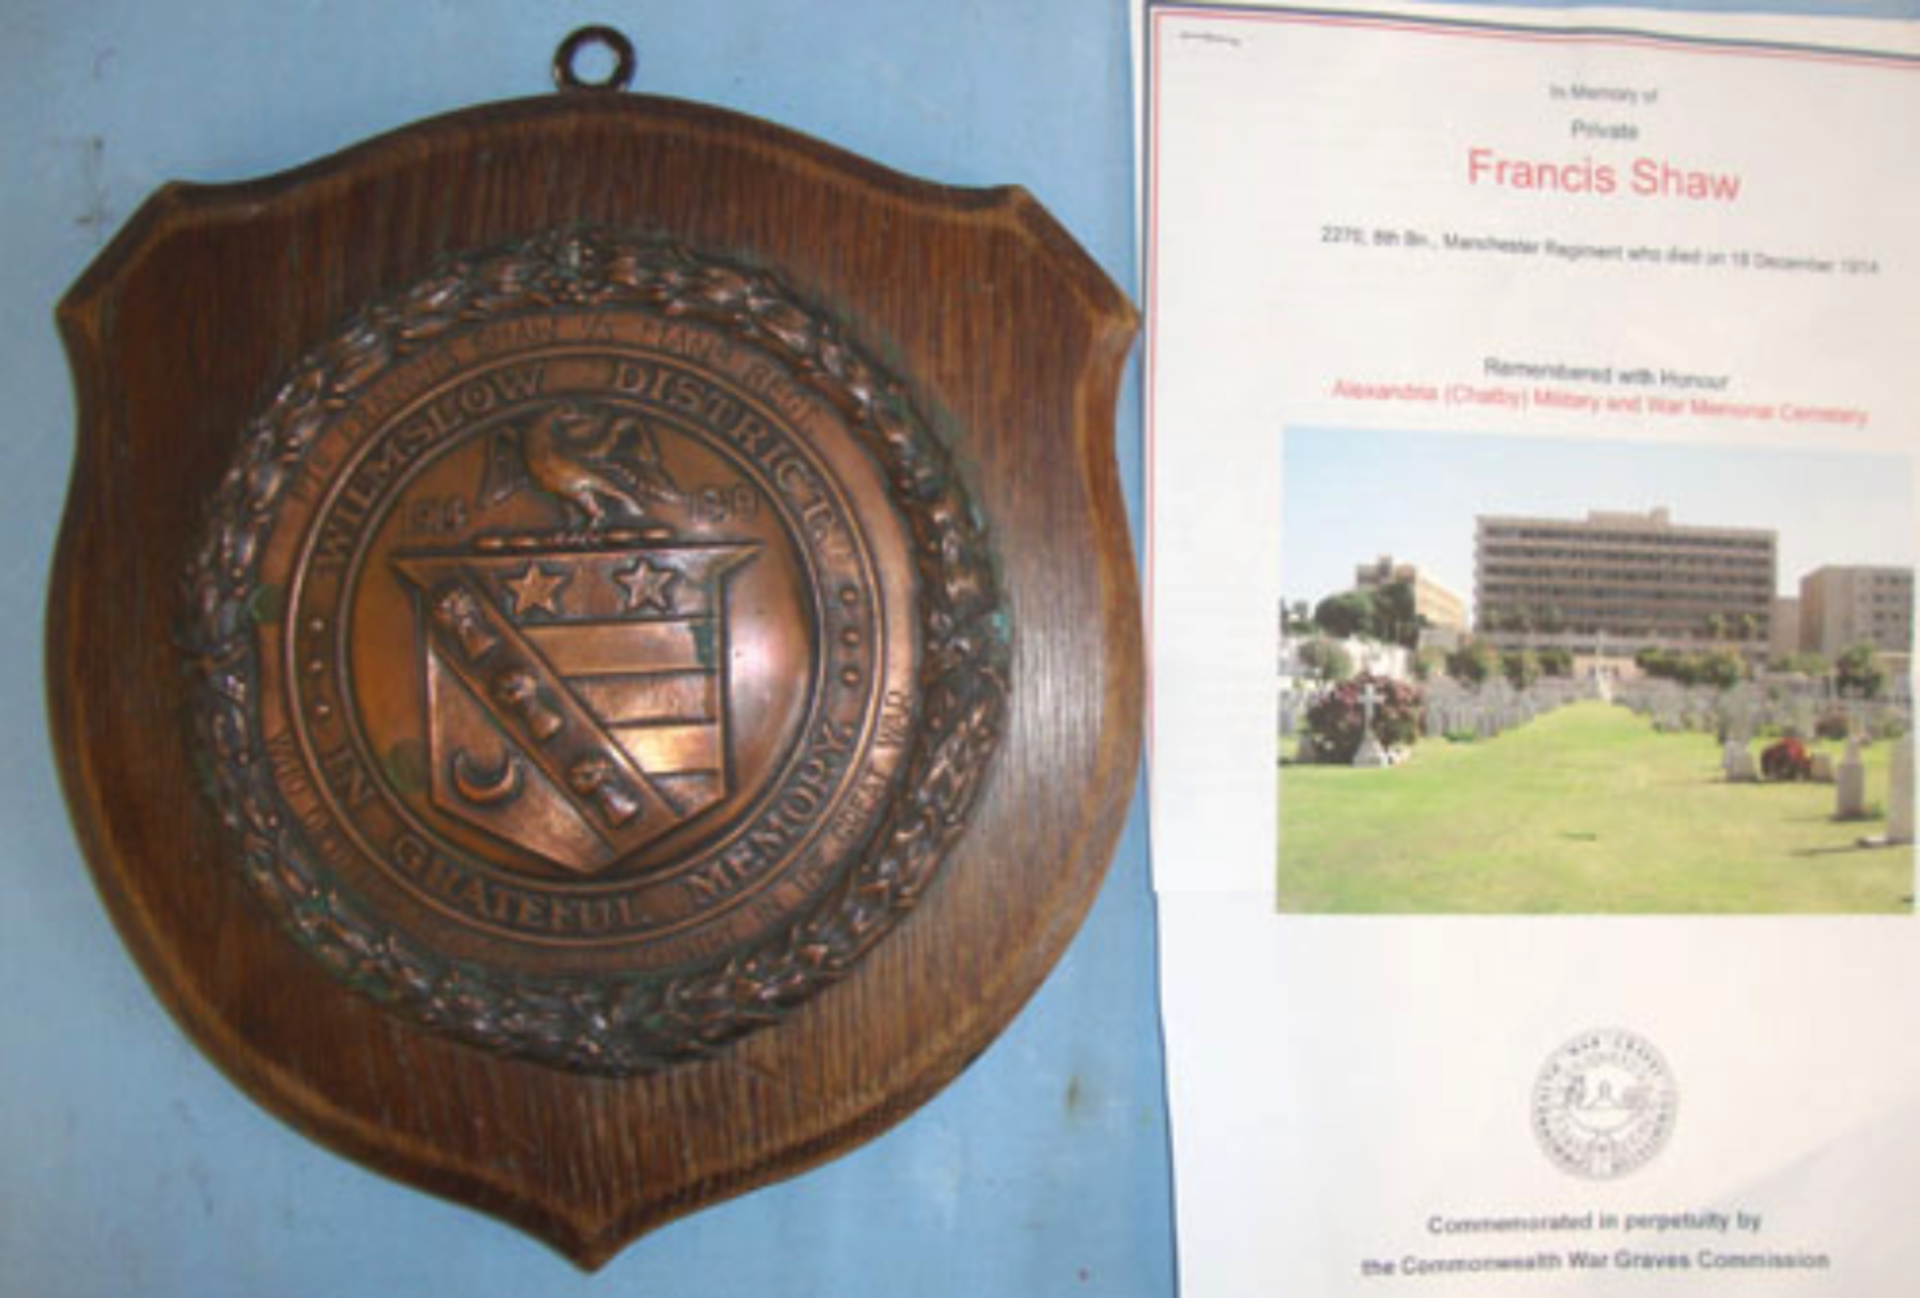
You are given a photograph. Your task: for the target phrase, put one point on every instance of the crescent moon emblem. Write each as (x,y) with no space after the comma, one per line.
(482,789)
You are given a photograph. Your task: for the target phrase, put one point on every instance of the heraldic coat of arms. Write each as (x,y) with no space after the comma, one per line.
(576,681)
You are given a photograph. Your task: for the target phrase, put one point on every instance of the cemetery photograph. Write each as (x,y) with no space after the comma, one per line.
(1533,675)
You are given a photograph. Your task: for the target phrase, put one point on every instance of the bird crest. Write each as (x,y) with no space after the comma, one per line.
(594,462)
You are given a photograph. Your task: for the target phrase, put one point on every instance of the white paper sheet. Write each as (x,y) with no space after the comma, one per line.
(1455,263)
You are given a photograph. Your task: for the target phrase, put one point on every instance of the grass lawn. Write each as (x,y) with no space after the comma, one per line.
(1584,811)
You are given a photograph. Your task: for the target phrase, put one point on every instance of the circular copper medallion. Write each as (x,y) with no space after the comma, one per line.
(598,653)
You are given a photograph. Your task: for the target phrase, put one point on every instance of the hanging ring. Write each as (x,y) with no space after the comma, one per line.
(567,77)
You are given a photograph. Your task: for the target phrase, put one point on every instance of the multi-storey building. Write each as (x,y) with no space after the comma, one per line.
(1432,601)
(1614,583)
(1844,606)
(1786,628)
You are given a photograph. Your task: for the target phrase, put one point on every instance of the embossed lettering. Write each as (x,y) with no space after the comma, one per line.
(896,722)
(348,777)
(632,604)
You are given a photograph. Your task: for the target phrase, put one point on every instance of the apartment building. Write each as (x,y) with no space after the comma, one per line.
(1845,606)
(1432,601)
(1619,582)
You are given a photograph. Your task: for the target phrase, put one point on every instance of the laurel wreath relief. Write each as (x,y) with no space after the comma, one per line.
(603,1024)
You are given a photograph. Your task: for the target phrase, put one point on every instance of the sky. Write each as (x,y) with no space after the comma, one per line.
(1351,495)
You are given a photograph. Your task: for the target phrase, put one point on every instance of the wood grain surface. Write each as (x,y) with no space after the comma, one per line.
(1012,341)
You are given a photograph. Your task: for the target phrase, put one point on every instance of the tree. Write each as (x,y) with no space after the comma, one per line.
(1722,669)
(1805,664)
(1857,674)
(1550,620)
(1394,619)
(1326,659)
(1521,667)
(1556,661)
(1715,626)
(1348,614)
(1473,662)
(1748,626)
(1655,661)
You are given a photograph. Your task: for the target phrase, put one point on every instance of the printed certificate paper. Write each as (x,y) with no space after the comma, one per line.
(1551,997)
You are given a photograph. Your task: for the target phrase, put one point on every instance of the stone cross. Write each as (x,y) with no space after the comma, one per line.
(1369,753)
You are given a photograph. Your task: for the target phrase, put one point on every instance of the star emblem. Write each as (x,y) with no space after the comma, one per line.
(536,590)
(647,586)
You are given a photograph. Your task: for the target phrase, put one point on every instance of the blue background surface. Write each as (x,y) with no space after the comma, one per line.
(128,1165)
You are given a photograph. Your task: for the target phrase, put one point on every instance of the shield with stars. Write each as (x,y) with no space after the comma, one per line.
(576,689)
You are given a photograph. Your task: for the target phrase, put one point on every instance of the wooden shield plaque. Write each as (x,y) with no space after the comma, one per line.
(593,648)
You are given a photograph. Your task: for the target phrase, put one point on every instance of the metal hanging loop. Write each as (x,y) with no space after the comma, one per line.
(567,77)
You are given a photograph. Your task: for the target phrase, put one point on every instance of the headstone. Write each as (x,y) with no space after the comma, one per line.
(1900,791)
(1737,760)
(1800,719)
(1369,753)
(1823,768)
(1850,784)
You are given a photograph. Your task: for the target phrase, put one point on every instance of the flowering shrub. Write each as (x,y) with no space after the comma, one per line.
(1786,759)
(1337,719)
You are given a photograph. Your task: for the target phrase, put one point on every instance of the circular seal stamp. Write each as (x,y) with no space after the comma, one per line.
(597,654)
(1604,1104)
